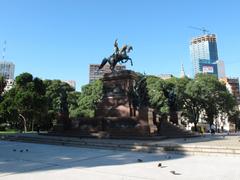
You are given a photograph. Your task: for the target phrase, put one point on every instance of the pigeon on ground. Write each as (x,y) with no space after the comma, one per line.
(14,150)
(175,173)
(139,160)
(21,150)
(161,166)
(26,150)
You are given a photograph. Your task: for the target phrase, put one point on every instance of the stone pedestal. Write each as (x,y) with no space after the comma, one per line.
(120,117)
(117,99)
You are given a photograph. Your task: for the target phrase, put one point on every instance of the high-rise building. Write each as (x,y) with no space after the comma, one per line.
(204,54)
(221,69)
(232,85)
(95,73)
(7,69)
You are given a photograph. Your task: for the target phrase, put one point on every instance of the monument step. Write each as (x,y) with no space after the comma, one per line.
(130,145)
(170,130)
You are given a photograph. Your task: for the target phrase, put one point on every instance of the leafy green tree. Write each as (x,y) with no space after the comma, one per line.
(193,102)
(57,93)
(8,110)
(139,93)
(73,97)
(169,90)
(216,98)
(2,86)
(26,100)
(179,89)
(30,99)
(89,98)
(157,98)
(204,95)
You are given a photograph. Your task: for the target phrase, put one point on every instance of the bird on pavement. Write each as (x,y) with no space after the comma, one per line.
(175,173)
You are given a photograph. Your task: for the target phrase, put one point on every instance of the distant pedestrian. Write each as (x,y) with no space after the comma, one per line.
(212,129)
(38,129)
(201,130)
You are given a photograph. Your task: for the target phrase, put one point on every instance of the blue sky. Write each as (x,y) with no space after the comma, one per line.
(58,39)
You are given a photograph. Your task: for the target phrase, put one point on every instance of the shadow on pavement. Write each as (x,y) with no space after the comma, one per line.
(17,157)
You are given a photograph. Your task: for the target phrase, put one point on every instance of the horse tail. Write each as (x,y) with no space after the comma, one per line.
(104,61)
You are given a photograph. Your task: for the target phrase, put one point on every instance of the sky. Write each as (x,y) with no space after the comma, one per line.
(58,39)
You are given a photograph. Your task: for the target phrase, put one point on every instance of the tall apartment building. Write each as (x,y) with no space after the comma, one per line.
(95,74)
(7,69)
(204,54)
(221,69)
(232,85)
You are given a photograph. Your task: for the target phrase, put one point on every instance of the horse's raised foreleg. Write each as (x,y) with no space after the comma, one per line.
(104,61)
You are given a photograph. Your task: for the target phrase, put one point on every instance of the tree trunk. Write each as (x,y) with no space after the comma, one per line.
(195,126)
(24,122)
(33,125)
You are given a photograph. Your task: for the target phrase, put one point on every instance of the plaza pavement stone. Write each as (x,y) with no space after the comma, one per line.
(49,162)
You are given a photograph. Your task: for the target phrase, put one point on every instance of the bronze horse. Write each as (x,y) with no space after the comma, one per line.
(120,56)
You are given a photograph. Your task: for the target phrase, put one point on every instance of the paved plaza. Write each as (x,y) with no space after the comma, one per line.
(26,161)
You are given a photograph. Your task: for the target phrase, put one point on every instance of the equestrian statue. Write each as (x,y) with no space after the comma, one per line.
(119,56)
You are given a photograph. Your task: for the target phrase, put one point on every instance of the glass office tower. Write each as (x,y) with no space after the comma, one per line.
(7,69)
(204,54)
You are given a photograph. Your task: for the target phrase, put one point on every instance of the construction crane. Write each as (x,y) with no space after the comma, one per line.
(203,29)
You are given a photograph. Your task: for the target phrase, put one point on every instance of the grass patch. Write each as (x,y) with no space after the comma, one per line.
(9,131)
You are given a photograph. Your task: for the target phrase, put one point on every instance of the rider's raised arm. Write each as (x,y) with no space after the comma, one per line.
(116,46)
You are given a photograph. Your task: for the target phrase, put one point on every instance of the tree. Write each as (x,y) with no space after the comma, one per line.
(192,101)
(74,112)
(8,110)
(169,90)
(157,98)
(215,97)
(139,93)
(204,95)
(26,100)
(89,98)
(2,86)
(57,93)
(180,92)
(30,99)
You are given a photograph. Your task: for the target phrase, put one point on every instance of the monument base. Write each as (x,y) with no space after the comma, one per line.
(117,111)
